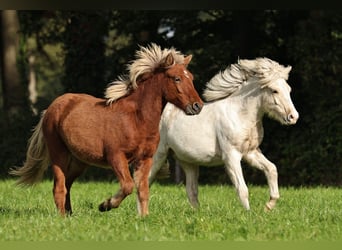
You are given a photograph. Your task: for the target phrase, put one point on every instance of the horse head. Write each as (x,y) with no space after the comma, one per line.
(277,102)
(178,88)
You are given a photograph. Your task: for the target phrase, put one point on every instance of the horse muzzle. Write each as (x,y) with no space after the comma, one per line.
(292,118)
(193,109)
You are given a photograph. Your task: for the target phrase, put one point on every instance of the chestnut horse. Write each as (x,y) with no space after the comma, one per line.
(78,130)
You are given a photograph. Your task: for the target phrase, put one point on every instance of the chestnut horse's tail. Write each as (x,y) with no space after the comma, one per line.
(37,158)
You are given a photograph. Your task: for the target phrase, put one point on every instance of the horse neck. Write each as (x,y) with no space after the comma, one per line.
(249,102)
(149,101)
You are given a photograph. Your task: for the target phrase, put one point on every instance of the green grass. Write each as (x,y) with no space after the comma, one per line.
(29,214)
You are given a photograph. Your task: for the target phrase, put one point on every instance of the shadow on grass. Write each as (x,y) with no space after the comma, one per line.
(23,211)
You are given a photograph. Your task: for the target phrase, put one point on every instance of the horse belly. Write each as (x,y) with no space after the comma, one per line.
(85,145)
(196,149)
(194,158)
(191,138)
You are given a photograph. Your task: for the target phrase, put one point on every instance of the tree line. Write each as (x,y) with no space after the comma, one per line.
(46,53)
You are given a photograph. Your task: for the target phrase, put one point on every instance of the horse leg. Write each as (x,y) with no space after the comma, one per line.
(234,170)
(76,168)
(120,167)
(59,189)
(60,160)
(141,173)
(256,159)
(191,176)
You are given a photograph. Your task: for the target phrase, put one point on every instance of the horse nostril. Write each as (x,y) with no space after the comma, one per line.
(196,106)
(292,118)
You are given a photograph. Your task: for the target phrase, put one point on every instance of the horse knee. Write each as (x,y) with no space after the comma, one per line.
(272,171)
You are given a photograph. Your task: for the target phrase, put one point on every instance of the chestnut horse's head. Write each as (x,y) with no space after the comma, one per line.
(169,66)
(178,88)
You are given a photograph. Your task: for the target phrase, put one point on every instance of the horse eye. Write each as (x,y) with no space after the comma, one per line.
(275,91)
(177,79)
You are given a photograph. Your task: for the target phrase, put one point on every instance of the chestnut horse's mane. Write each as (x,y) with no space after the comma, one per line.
(226,82)
(148,59)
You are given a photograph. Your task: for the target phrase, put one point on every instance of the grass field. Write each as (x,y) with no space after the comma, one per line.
(29,214)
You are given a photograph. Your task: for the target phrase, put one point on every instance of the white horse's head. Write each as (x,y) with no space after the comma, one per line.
(277,102)
(271,79)
(262,77)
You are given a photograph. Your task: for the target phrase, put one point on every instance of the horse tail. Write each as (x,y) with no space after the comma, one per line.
(164,171)
(37,158)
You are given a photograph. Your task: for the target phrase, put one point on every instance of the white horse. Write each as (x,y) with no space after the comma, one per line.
(229,128)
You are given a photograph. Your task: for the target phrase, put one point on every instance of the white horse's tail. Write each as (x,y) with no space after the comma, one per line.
(164,171)
(37,158)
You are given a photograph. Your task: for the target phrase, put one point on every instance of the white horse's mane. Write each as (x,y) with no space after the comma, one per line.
(147,60)
(262,70)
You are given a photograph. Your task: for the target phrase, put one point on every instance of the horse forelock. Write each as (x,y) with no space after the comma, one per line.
(225,83)
(148,59)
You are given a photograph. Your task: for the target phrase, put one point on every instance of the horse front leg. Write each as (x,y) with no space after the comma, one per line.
(256,159)
(120,166)
(232,162)
(141,174)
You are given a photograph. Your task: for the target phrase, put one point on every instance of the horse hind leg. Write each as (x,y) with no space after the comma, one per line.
(65,172)
(59,159)
(63,168)
(160,164)
(191,176)
(75,169)
(120,166)
(59,188)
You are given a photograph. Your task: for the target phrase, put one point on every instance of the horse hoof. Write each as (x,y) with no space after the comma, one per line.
(270,205)
(103,207)
(267,209)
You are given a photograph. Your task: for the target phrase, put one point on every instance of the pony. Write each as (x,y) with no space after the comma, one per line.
(78,130)
(229,128)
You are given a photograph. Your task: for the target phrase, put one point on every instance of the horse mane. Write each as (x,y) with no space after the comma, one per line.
(262,70)
(148,59)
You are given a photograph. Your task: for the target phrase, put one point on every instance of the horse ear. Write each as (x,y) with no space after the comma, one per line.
(187,60)
(288,69)
(169,61)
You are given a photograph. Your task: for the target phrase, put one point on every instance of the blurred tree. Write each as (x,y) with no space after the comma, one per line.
(315,146)
(42,32)
(13,89)
(84,47)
